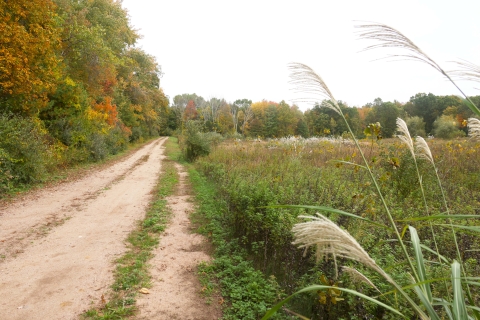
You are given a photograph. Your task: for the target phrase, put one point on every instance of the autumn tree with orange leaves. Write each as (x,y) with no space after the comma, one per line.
(29,61)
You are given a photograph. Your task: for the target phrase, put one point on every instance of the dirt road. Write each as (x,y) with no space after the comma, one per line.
(57,245)
(175,287)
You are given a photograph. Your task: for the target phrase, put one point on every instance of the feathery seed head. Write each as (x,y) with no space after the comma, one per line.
(388,37)
(468,71)
(473,127)
(423,151)
(357,276)
(329,238)
(404,135)
(307,81)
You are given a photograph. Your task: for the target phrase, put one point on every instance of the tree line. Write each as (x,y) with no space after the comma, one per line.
(73,86)
(425,114)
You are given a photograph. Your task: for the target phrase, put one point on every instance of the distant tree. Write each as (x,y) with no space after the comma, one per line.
(271,122)
(237,111)
(302,129)
(321,120)
(245,113)
(416,126)
(286,120)
(180,103)
(317,121)
(190,112)
(386,113)
(445,127)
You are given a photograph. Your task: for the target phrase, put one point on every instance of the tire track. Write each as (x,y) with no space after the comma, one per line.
(35,215)
(60,274)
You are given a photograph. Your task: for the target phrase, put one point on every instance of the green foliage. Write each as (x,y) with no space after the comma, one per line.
(25,155)
(445,127)
(195,143)
(386,114)
(416,126)
(247,292)
(71,67)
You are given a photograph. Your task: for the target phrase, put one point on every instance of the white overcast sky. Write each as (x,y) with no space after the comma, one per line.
(241,49)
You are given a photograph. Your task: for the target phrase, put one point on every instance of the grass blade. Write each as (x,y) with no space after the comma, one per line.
(426,303)
(441,216)
(459,307)
(420,263)
(349,163)
(329,210)
(434,253)
(457,226)
(446,305)
(275,308)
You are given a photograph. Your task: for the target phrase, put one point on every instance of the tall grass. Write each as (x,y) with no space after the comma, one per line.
(427,296)
(254,176)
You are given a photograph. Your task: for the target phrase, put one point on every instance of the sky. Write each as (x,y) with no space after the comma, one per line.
(241,49)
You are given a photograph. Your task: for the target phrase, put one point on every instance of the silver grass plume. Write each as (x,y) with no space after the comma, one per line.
(404,135)
(389,37)
(330,239)
(468,71)
(423,151)
(305,80)
(473,127)
(357,276)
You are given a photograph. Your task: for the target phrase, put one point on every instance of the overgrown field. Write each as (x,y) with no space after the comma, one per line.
(252,176)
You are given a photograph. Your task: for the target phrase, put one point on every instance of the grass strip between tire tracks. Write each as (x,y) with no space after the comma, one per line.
(131,272)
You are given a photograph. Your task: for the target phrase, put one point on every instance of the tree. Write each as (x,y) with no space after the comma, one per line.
(445,127)
(29,39)
(237,110)
(386,113)
(245,113)
(302,129)
(271,122)
(317,121)
(94,38)
(287,120)
(180,103)
(190,112)
(416,126)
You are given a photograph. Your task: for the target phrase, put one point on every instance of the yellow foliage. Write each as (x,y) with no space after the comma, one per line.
(28,60)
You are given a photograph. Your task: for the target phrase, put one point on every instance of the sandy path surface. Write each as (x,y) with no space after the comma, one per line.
(175,291)
(57,245)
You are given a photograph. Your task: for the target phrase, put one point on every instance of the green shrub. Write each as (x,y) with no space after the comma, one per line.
(445,127)
(195,143)
(25,154)
(416,126)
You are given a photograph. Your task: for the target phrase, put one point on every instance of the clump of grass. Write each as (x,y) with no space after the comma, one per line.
(132,268)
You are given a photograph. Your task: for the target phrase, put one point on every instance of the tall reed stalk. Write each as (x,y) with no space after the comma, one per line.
(329,239)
